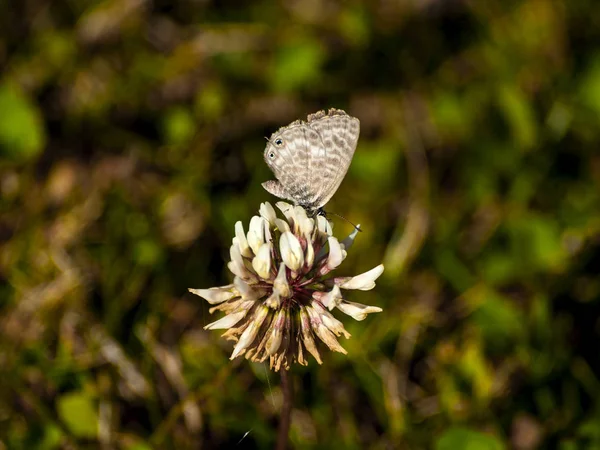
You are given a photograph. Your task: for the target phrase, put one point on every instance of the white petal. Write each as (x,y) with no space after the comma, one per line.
(335,258)
(236,256)
(282,225)
(286,209)
(249,333)
(347,243)
(267,212)
(242,242)
(267,231)
(240,271)
(291,251)
(306,227)
(262,261)
(333,298)
(226,322)
(324,226)
(216,295)
(280,285)
(309,257)
(356,310)
(246,291)
(256,233)
(299,218)
(364,281)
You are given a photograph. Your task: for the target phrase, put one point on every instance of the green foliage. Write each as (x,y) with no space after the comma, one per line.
(79,414)
(22,135)
(462,438)
(296,65)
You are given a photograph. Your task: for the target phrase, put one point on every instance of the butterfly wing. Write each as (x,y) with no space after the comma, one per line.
(310,159)
(287,155)
(338,133)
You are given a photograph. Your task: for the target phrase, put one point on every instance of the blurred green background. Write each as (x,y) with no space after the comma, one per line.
(131,139)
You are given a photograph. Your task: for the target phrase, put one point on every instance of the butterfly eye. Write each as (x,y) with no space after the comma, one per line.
(278,142)
(271,155)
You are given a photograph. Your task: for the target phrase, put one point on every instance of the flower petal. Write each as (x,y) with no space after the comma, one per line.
(250,332)
(321,330)
(291,251)
(309,257)
(281,285)
(364,281)
(334,325)
(274,300)
(235,255)
(306,227)
(262,261)
(241,271)
(328,338)
(286,209)
(299,218)
(267,212)
(332,298)
(335,257)
(282,225)
(217,294)
(274,341)
(324,226)
(267,231)
(280,358)
(356,310)
(307,335)
(246,291)
(242,242)
(226,322)
(256,236)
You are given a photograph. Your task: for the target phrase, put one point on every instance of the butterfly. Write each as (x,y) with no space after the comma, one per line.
(310,158)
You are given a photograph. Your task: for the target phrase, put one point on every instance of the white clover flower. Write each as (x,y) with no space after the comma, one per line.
(281,295)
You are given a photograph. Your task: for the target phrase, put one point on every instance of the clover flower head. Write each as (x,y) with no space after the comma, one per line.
(283,290)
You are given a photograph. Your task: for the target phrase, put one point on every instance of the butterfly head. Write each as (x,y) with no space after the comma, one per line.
(273,149)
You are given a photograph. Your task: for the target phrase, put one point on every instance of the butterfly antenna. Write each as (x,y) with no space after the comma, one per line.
(356,227)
